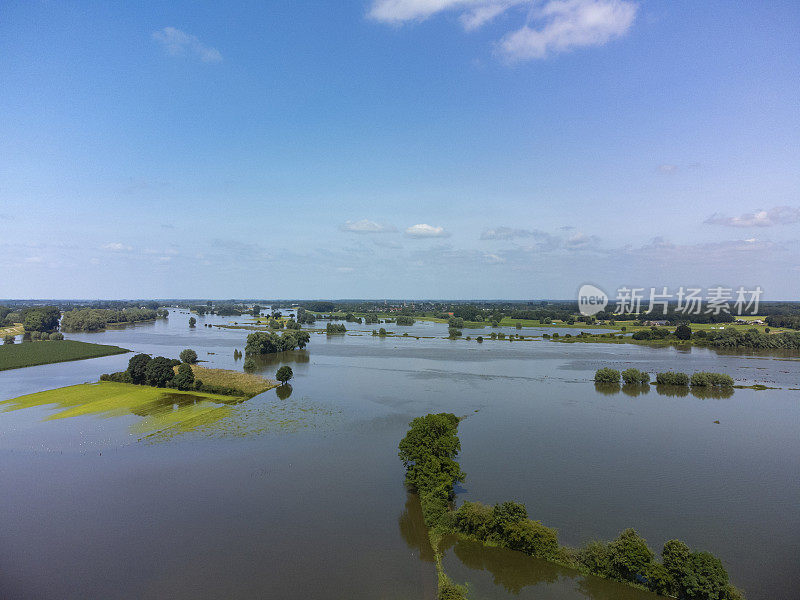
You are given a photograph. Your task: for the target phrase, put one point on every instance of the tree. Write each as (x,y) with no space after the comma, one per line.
(137,366)
(192,321)
(159,371)
(605,375)
(683,332)
(284,374)
(188,356)
(705,578)
(184,380)
(9,339)
(629,555)
(56,336)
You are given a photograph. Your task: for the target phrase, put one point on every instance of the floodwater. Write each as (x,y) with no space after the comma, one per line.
(314,505)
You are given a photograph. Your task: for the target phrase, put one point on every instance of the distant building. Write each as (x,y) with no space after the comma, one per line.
(654,323)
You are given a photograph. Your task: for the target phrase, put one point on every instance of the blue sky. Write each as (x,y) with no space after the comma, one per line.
(398,148)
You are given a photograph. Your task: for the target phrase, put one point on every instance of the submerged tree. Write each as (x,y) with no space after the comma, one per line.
(192,321)
(284,374)
(188,356)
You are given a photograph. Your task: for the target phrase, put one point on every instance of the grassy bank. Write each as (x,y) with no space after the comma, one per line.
(29,354)
(249,383)
(15,329)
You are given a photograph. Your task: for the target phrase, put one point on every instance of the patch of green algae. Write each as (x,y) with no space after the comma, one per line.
(166,414)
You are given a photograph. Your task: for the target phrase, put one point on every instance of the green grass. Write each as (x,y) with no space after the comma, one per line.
(160,408)
(29,354)
(166,413)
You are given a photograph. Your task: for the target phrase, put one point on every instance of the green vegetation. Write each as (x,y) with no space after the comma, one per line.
(263,342)
(428,452)
(670,378)
(184,378)
(43,318)
(35,353)
(192,321)
(634,377)
(404,320)
(703,379)
(334,328)
(284,374)
(160,410)
(8,340)
(188,356)
(94,319)
(606,375)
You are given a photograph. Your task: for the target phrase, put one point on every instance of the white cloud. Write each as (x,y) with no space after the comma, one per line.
(423,230)
(569,24)
(180,43)
(551,26)
(780,215)
(366,226)
(117,247)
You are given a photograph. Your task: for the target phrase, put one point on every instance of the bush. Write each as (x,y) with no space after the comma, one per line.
(532,538)
(284,374)
(683,332)
(184,379)
(188,356)
(704,379)
(595,558)
(606,375)
(474,518)
(453,332)
(644,334)
(635,376)
(670,378)
(629,556)
(192,321)
(121,377)
(56,336)
(9,339)
(479,339)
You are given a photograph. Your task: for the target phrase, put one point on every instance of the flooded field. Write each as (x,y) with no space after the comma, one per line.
(298,493)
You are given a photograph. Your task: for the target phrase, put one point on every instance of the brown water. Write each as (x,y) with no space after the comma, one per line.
(318,510)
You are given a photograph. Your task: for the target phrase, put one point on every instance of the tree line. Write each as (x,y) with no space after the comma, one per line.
(428,452)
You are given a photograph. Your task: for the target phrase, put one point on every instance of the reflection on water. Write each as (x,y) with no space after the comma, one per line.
(412,528)
(509,569)
(672,391)
(283,391)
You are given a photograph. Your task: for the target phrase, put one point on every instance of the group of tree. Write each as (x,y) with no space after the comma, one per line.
(93,319)
(428,452)
(635,376)
(305,317)
(163,372)
(405,320)
(335,328)
(262,342)
(785,321)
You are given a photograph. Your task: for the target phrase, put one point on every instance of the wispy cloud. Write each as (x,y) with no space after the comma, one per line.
(510,233)
(779,215)
(551,26)
(423,230)
(180,43)
(117,247)
(366,226)
(667,168)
